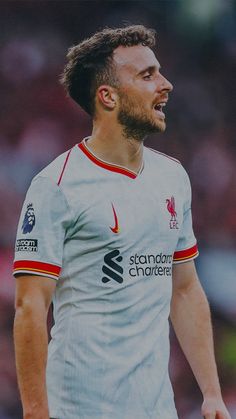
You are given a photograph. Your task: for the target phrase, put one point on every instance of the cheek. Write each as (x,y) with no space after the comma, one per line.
(148,86)
(135,100)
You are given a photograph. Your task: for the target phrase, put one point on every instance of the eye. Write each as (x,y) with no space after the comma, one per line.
(147,76)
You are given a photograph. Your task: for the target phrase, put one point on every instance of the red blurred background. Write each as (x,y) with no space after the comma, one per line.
(197,51)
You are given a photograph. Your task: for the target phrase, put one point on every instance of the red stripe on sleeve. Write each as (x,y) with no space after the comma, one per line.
(181,255)
(29,266)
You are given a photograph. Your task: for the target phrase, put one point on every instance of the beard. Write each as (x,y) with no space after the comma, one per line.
(136,121)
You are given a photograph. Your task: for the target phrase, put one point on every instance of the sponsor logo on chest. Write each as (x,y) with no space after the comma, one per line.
(139,265)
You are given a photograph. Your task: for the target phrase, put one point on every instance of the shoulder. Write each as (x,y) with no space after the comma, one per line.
(58,168)
(167,165)
(47,183)
(167,168)
(159,156)
(45,190)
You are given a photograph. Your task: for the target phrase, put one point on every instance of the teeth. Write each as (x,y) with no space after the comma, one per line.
(159,105)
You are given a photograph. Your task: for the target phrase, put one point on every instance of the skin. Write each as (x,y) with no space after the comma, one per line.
(190,317)
(33,298)
(141,85)
(139,89)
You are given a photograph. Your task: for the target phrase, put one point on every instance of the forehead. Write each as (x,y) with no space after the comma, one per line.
(134,59)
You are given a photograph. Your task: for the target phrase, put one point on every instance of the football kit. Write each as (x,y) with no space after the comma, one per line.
(109,237)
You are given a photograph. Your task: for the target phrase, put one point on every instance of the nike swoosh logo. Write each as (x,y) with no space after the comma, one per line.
(116,228)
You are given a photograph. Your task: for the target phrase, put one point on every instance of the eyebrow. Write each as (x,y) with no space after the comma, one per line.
(150,69)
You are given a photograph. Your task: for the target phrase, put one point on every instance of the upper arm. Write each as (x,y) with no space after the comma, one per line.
(188,296)
(34,291)
(184,276)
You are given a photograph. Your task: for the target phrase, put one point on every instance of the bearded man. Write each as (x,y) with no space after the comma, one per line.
(115,253)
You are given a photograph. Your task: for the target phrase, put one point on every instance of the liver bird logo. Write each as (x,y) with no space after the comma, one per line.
(171,208)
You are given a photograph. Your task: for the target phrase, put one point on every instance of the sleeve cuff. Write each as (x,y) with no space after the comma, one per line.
(185,255)
(36,268)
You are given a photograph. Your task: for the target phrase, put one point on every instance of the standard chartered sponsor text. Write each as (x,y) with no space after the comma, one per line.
(150,265)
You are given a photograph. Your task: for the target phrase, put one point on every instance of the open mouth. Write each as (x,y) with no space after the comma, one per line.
(159,107)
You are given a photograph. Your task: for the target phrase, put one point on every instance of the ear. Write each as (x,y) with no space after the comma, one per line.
(107,96)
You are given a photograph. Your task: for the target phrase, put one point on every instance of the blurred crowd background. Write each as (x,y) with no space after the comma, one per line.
(197,51)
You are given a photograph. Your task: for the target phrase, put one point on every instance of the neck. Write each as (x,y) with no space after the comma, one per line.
(109,143)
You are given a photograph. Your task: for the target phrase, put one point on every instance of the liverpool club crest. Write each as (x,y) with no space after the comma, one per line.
(170,203)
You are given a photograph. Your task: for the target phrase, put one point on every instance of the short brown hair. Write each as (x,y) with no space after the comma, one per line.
(89,64)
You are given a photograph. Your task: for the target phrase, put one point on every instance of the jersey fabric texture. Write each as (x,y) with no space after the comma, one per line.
(109,237)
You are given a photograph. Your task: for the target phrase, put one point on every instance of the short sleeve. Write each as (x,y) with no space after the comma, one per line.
(41,231)
(187,246)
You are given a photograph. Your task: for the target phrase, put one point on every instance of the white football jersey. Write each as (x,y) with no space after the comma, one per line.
(109,237)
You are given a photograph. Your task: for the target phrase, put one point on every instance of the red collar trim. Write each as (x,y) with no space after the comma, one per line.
(105,165)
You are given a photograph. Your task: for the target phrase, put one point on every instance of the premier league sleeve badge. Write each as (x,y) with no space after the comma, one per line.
(29,219)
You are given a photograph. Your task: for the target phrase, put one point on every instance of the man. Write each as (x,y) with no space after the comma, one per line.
(111,217)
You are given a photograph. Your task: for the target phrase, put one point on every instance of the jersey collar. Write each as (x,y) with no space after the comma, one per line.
(105,165)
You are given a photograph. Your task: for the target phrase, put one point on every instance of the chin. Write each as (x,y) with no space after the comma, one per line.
(161,126)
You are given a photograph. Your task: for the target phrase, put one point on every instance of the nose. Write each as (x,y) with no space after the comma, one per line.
(165,84)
